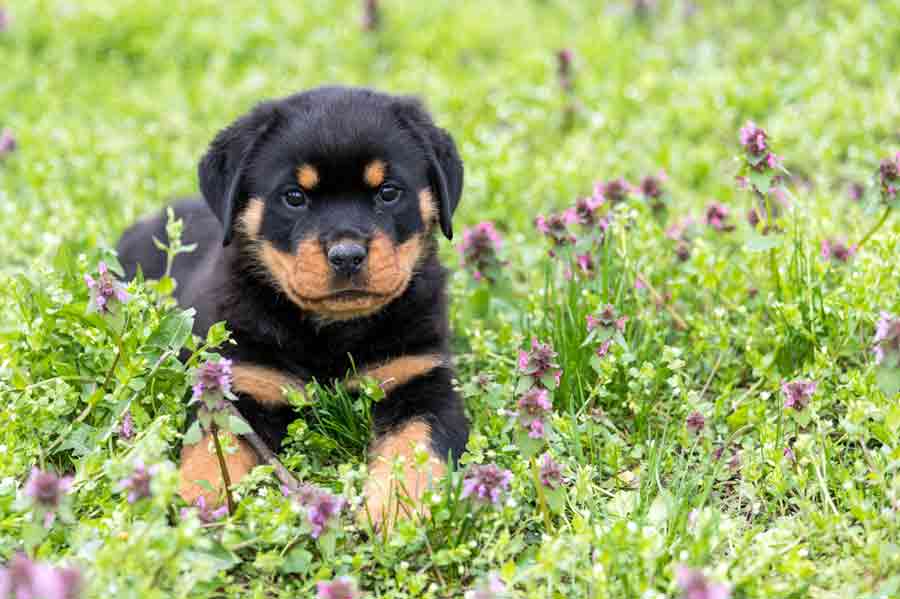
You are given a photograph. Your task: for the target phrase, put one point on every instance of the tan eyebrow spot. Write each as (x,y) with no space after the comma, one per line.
(251,220)
(426,207)
(374,173)
(307,176)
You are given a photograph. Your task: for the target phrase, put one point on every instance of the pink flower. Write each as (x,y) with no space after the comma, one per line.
(486,482)
(479,247)
(213,379)
(564,59)
(126,429)
(536,429)
(339,588)
(836,250)
(46,491)
(585,212)
(205,513)
(607,319)
(717,217)
(789,454)
(887,337)
(539,362)
(694,585)
(138,484)
(613,191)
(551,472)
(555,227)
(8,142)
(491,590)
(753,139)
(856,191)
(585,264)
(603,349)
(798,393)
(773,161)
(322,507)
(695,422)
(105,290)
(678,230)
(22,578)
(371,19)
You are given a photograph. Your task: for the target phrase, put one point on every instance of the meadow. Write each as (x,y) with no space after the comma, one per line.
(675,300)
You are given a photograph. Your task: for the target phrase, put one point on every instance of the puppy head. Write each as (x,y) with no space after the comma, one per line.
(334,193)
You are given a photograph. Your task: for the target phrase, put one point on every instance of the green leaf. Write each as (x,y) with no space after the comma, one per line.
(556,499)
(762,181)
(888,380)
(297,561)
(217,334)
(238,426)
(173,331)
(193,434)
(761,243)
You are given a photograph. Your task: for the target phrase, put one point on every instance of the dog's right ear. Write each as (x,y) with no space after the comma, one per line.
(221,170)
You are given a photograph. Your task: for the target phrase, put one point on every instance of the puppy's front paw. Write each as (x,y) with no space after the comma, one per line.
(397,480)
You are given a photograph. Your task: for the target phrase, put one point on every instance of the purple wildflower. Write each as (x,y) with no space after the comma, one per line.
(678,231)
(213,379)
(479,247)
(856,191)
(551,472)
(25,579)
(138,484)
(585,212)
(837,250)
(555,227)
(734,464)
(797,393)
(46,491)
(322,507)
(607,319)
(585,264)
(754,139)
(564,59)
(613,191)
(486,482)
(371,19)
(126,429)
(534,406)
(490,590)
(694,585)
(695,422)
(105,290)
(651,188)
(4,19)
(205,513)
(789,454)
(887,337)
(717,217)
(8,142)
(683,251)
(539,362)
(342,587)
(603,349)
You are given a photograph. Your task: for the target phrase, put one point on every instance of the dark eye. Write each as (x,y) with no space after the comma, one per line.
(294,198)
(390,194)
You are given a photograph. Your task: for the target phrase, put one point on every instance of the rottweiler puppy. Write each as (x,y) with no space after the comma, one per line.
(316,245)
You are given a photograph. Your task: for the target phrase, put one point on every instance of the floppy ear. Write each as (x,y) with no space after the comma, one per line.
(221,170)
(445,165)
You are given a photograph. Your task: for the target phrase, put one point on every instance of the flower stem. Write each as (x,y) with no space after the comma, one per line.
(873,230)
(542,500)
(773,252)
(226,478)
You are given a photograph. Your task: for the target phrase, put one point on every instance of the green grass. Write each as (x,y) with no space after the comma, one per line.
(112,104)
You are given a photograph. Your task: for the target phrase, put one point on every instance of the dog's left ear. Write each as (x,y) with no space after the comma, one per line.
(445,165)
(221,170)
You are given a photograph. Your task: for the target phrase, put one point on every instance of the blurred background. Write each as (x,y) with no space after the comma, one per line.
(110,104)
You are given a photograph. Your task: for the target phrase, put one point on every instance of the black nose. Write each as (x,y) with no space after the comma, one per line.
(347,258)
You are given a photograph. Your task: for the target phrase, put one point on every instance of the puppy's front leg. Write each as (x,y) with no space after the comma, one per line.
(420,413)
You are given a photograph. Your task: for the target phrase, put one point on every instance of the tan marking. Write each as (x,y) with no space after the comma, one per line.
(427,208)
(373,175)
(399,371)
(307,176)
(250,220)
(199,462)
(265,385)
(306,277)
(388,498)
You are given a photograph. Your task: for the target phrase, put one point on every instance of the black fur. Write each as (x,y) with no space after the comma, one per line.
(338,130)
